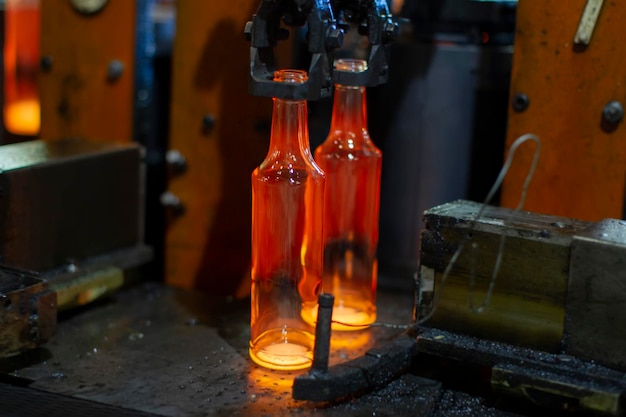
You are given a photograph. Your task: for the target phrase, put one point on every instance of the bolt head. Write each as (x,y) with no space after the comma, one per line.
(208,123)
(613,112)
(334,39)
(115,69)
(46,63)
(520,102)
(176,160)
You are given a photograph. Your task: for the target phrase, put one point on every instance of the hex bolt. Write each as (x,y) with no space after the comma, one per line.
(321,350)
(208,123)
(171,201)
(334,38)
(390,30)
(176,160)
(115,70)
(613,112)
(46,63)
(520,102)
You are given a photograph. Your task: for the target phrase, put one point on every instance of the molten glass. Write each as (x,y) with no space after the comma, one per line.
(287,245)
(352,165)
(21,65)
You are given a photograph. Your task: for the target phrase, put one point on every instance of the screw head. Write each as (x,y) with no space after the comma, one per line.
(520,102)
(208,123)
(176,160)
(613,112)
(171,201)
(46,63)
(334,38)
(115,69)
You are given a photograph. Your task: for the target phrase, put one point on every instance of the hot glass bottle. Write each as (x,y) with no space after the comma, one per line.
(21,111)
(287,245)
(352,164)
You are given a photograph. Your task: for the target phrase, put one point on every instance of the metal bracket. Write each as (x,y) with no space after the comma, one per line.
(325,34)
(264,32)
(588,22)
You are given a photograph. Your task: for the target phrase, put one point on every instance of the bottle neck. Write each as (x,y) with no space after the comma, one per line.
(290,130)
(349,109)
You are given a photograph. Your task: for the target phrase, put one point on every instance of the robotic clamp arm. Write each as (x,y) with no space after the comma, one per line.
(325,34)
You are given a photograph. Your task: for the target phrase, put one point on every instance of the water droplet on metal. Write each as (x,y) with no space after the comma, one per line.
(135,336)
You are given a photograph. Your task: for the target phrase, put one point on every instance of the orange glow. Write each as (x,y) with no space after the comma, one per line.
(21,65)
(352,164)
(352,343)
(349,313)
(396,6)
(277,382)
(22,117)
(286,350)
(287,246)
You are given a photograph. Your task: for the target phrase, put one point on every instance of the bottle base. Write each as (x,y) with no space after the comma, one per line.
(283,349)
(346,316)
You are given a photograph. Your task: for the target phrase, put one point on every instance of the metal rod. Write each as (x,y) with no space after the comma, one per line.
(321,350)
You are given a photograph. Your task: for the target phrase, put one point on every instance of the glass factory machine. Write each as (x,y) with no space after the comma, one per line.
(312,207)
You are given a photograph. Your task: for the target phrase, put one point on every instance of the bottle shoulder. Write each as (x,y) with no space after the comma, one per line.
(288,166)
(341,142)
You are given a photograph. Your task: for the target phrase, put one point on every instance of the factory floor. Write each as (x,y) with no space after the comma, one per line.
(156,350)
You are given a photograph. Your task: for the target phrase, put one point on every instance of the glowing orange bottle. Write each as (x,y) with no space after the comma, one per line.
(352,164)
(287,245)
(21,64)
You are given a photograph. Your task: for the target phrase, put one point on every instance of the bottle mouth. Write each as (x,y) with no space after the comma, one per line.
(291,76)
(351,65)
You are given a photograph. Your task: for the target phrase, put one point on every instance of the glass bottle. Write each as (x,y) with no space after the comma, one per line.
(352,164)
(287,245)
(21,113)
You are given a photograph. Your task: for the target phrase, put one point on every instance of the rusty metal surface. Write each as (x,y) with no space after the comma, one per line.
(178,353)
(65,200)
(596,299)
(79,97)
(223,133)
(28,315)
(567,89)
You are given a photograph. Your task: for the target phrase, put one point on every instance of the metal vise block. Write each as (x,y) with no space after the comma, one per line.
(561,286)
(596,299)
(28,313)
(66,200)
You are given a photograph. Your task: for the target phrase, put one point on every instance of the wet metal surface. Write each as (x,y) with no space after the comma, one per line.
(176,353)
(173,353)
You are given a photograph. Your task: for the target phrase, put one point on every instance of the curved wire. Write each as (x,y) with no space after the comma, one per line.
(496,185)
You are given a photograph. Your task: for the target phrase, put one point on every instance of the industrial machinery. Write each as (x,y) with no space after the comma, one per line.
(125,225)
(324,34)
